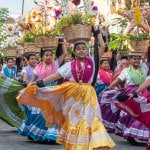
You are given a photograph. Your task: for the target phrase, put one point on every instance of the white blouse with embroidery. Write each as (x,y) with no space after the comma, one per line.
(65,72)
(124,76)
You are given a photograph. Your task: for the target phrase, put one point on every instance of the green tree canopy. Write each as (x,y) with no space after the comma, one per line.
(3,16)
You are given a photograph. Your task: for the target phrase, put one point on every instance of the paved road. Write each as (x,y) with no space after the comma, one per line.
(10,140)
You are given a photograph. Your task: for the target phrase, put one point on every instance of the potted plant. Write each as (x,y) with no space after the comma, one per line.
(77,26)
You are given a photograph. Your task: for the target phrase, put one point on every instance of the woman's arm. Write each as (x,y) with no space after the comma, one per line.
(64,54)
(115,82)
(34,78)
(143,86)
(52,77)
(25,79)
(101,45)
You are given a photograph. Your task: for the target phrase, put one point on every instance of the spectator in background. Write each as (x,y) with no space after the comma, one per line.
(124,64)
(10,70)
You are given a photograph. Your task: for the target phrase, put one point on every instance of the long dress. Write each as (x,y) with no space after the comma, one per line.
(73,106)
(120,122)
(10,111)
(139,109)
(34,126)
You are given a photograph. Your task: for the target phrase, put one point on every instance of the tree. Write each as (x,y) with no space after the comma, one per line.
(3,16)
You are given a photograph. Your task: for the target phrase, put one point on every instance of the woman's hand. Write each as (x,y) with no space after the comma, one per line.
(133,95)
(40,83)
(130,95)
(32,83)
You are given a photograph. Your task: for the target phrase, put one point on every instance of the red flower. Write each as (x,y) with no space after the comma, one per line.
(76,2)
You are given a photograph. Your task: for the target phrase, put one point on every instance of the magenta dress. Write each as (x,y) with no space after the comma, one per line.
(139,109)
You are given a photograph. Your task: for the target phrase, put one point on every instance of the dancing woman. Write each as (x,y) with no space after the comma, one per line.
(34,126)
(137,104)
(73,105)
(122,123)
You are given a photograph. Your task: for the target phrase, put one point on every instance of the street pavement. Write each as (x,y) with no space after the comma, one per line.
(10,140)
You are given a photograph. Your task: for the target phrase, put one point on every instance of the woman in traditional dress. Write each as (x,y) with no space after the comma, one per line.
(10,111)
(124,125)
(105,75)
(124,64)
(29,127)
(137,104)
(10,70)
(73,105)
(34,127)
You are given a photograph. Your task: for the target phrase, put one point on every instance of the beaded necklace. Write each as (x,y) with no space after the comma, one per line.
(80,72)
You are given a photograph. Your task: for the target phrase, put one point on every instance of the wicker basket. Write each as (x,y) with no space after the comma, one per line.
(107,54)
(31,47)
(9,52)
(77,32)
(46,41)
(139,45)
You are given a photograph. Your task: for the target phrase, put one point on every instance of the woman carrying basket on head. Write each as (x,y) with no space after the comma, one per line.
(73,105)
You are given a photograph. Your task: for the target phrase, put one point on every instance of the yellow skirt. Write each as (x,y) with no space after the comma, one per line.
(74,108)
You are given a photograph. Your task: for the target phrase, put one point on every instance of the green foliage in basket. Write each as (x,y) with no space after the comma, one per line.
(121,42)
(74,18)
(118,42)
(139,37)
(29,38)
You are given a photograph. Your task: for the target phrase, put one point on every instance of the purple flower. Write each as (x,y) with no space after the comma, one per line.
(57,12)
(95,8)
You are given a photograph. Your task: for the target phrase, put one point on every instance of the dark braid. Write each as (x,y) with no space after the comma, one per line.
(96,55)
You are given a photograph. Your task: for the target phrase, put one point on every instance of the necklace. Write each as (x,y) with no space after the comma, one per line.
(137,75)
(80,72)
(48,70)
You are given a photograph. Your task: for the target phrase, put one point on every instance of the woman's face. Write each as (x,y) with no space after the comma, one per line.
(105,65)
(125,63)
(118,57)
(10,63)
(48,57)
(32,60)
(135,60)
(80,51)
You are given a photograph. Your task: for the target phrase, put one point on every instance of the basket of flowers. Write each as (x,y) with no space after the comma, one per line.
(46,38)
(9,52)
(46,41)
(38,28)
(31,47)
(77,26)
(139,42)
